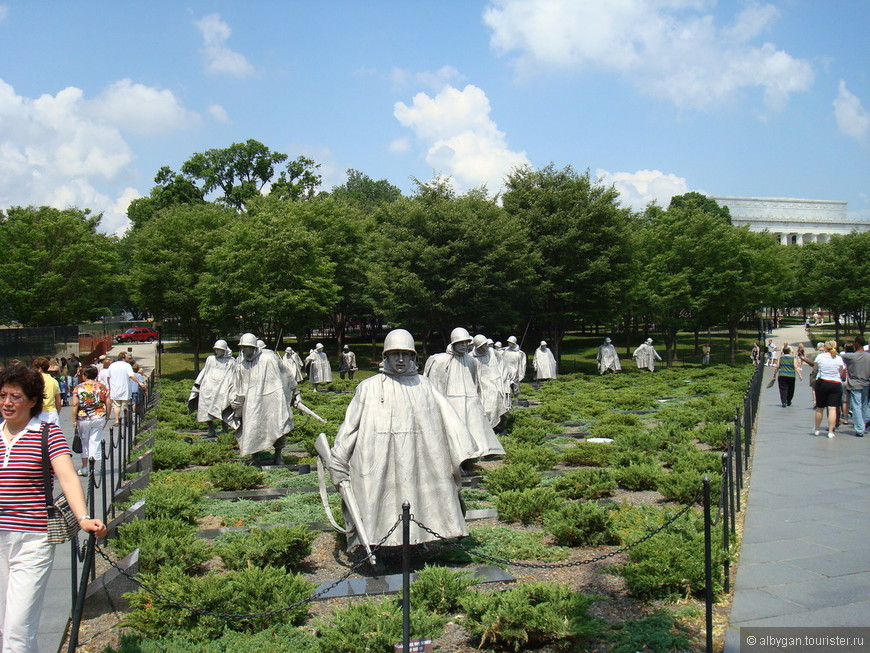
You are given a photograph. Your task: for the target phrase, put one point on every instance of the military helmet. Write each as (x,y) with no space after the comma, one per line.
(479,340)
(459,335)
(399,339)
(248,340)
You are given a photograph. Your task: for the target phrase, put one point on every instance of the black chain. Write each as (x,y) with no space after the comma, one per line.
(257,615)
(560,565)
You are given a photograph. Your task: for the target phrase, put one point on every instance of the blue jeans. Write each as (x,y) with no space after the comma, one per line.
(858,402)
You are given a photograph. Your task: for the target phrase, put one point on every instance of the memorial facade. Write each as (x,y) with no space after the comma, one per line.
(793,221)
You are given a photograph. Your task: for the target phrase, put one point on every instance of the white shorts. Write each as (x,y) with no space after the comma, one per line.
(25,566)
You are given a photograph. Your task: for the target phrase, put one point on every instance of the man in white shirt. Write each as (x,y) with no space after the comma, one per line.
(121,376)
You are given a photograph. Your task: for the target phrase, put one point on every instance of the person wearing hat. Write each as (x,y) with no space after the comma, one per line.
(646,356)
(515,362)
(454,374)
(263,393)
(544,362)
(608,359)
(212,390)
(319,370)
(401,441)
(494,392)
(346,363)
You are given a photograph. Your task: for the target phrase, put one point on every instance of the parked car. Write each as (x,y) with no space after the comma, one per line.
(138,334)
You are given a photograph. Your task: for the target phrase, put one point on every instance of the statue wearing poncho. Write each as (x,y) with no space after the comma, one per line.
(515,362)
(454,375)
(545,362)
(646,356)
(608,359)
(264,393)
(293,363)
(494,391)
(319,371)
(402,441)
(213,389)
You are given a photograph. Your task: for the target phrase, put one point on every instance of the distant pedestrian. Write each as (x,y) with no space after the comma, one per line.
(120,375)
(771,353)
(347,363)
(91,405)
(858,385)
(705,354)
(52,401)
(785,372)
(831,373)
(756,354)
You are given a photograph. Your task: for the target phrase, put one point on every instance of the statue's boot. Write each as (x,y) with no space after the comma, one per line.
(279,447)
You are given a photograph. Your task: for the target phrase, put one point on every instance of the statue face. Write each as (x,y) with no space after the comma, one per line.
(218,352)
(462,347)
(248,352)
(483,348)
(399,359)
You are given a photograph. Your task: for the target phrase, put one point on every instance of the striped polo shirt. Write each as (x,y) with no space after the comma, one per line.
(22,489)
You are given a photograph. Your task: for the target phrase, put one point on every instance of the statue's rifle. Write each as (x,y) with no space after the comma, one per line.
(324,453)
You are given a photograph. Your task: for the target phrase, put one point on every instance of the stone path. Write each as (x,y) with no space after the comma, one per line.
(58,599)
(805,555)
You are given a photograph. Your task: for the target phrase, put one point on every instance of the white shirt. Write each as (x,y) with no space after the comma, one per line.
(119,380)
(829,367)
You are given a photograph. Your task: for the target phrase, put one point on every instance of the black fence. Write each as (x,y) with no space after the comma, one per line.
(29,342)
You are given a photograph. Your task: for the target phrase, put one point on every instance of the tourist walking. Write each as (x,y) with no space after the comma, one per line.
(858,385)
(51,402)
(121,375)
(91,405)
(830,374)
(784,373)
(26,557)
(756,354)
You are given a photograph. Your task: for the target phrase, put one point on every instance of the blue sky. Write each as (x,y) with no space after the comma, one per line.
(659,97)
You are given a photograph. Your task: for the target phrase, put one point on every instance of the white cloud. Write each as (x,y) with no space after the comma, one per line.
(61,150)
(460,137)
(141,109)
(852,118)
(219,59)
(669,49)
(218,113)
(4,11)
(400,145)
(434,80)
(638,189)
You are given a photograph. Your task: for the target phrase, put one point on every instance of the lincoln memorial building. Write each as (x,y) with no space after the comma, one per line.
(793,221)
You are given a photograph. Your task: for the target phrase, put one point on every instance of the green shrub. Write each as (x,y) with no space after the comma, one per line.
(628,457)
(503,542)
(632,400)
(657,632)
(283,638)
(439,589)
(171,454)
(685,486)
(619,419)
(249,591)
(162,433)
(590,454)
(530,433)
(670,565)
(637,440)
(614,431)
(529,616)
(282,547)
(476,498)
(541,458)
(586,483)
(171,501)
(162,543)
(372,626)
(234,476)
(580,524)
(511,477)
(209,453)
(642,476)
(714,433)
(527,505)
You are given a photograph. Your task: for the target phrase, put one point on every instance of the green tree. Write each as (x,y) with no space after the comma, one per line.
(443,261)
(171,189)
(838,277)
(268,271)
(242,170)
(582,240)
(169,260)
(365,192)
(57,267)
(702,202)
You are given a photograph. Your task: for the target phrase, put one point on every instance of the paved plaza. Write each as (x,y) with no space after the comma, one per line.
(805,555)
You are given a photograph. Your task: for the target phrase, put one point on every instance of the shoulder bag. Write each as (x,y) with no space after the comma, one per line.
(62,523)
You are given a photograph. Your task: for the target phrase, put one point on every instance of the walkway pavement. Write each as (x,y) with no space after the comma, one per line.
(805,555)
(58,599)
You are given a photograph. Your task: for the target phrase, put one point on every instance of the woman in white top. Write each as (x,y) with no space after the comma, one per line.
(830,373)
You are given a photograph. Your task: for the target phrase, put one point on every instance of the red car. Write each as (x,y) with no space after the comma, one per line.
(138,334)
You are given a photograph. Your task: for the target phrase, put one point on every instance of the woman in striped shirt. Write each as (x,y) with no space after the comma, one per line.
(26,556)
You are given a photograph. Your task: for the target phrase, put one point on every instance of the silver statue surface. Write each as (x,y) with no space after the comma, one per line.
(515,363)
(544,362)
(646,356)
(454,374)
(608,359)
(319,371)
(293,362)
(401,441)
(494,391)
(212,390)
(264,394)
